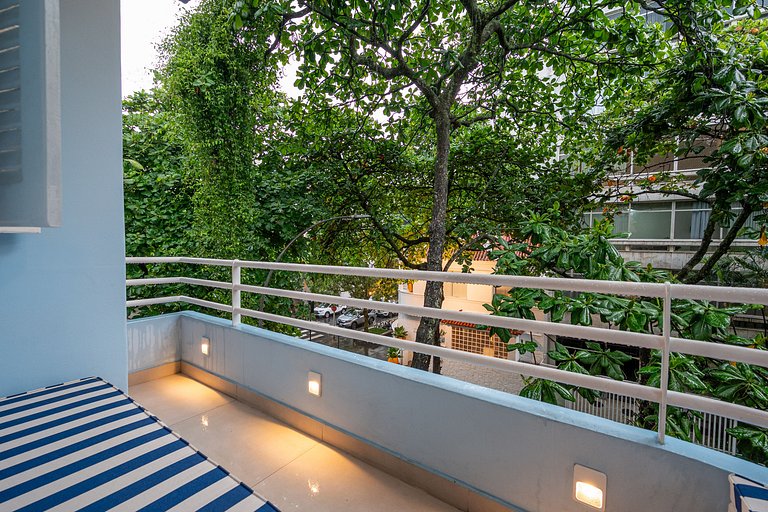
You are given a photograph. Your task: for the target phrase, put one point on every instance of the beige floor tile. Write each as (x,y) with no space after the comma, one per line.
(324,479)
(248,443)
(176,398)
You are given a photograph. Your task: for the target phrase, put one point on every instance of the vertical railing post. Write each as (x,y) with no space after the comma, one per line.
(666,334)
(236,268)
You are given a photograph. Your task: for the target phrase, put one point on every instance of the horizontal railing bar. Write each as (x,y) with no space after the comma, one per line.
(207,303)
(206,282)
(179,280)
(719,351)
(720,293)
(179,298)
(726,294)
(207,261)
(575,379)
(547,283)
(138,260)
(153,280)
(594,333)
(155,300)
(705,404)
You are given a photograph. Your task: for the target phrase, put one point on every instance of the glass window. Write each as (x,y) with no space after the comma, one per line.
(690,220)
(650,221)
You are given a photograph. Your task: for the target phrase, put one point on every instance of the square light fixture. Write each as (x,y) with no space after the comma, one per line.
(205,346)
(589,487)
(314,383)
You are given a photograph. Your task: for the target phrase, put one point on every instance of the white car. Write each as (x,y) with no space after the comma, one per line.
(326,310)
(354,318)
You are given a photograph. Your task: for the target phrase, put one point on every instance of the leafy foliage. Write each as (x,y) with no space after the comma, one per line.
(706,103)
(588,253)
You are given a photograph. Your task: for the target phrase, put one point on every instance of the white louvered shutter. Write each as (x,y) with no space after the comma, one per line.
(30,134)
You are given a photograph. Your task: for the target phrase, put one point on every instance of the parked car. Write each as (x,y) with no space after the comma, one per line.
(384,313)
(354,318)
(326,310)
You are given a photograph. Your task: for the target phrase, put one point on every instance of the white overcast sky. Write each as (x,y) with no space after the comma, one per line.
(144,23)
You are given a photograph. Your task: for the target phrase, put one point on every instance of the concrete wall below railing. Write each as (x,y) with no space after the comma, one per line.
(517,451)
(153,342)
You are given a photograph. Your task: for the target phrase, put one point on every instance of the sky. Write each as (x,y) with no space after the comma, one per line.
(144,23)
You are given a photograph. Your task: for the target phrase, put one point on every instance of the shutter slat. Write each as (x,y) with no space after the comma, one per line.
(10,99)
(5,4)
(10,79)
(10,119)
(9,59)
(9,14)
(10,159)
(9,38)
(10,138)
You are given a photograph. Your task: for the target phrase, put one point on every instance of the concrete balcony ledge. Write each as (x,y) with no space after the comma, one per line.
(508,450)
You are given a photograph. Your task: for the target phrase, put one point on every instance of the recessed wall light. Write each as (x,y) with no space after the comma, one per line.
(589,487)
(314,383)
(205,346)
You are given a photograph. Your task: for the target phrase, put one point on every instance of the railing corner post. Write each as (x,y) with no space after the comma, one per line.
(236,270)
(664,384)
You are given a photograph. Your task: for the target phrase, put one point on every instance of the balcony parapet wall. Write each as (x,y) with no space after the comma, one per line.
(516,451)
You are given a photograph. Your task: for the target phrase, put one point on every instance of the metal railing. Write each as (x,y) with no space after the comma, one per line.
(708,430)
(663,342)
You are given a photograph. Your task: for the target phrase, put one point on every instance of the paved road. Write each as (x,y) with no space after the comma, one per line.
(348,344)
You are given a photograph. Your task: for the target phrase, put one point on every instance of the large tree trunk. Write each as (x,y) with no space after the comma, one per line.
(429,328)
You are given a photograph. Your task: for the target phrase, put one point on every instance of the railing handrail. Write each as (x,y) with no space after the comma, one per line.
(664,341)
(625,288)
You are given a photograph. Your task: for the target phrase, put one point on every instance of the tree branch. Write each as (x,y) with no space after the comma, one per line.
(723,247)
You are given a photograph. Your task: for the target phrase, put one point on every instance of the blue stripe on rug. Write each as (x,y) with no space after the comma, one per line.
(66,450)
(56,410)
(102,478)
(145,483)
(227,500)
(191,488)
(58,436)
(47,391)
(53,400)
(79,465)
(63,420)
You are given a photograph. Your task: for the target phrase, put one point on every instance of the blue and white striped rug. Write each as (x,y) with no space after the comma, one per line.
(86,446)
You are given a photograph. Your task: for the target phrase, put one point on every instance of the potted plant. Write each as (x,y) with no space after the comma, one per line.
(393,355)
(400,332)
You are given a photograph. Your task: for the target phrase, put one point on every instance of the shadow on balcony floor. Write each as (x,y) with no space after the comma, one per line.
(292,470)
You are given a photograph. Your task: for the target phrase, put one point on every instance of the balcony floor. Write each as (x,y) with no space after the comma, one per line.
(292,470)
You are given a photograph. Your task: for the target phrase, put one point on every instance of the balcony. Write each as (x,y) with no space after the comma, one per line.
(296,470)
(473,448)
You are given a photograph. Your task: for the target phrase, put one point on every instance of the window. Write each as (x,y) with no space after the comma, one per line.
(650,221)
(30,134)
(684,220)
(690,220)
(477,341)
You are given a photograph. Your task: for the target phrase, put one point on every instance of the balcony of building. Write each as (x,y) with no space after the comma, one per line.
(429,439)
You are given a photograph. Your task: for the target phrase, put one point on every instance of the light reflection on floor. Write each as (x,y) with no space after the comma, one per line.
(291,469)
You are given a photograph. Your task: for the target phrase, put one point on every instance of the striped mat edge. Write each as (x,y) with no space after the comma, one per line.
(46,436)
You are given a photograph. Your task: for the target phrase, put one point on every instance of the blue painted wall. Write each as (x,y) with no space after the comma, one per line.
(62,292)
